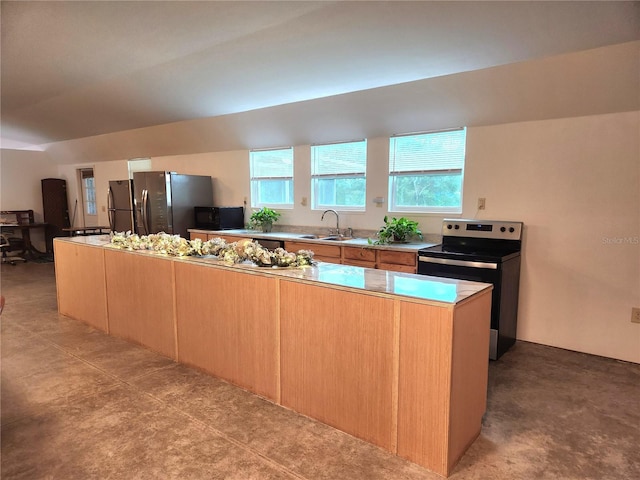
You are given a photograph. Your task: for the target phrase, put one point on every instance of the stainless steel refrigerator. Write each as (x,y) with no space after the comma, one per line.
(120,206)
(164,201)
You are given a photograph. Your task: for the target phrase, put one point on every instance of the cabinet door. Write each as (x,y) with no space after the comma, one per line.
(224,329)
(140,299)
(337,357)
(323,253)
(397,258)
(80,283)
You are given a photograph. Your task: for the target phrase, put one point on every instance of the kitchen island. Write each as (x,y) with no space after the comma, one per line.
(396,359)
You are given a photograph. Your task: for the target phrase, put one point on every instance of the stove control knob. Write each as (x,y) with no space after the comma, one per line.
(502,229)
(511,229)
(457,227)
(449,226)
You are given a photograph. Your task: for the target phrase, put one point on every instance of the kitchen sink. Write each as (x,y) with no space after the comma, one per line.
(334,238)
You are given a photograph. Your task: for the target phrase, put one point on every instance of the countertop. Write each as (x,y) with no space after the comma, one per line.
(422,287)
(298,237)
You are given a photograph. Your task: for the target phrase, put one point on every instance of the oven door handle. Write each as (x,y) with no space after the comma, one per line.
(458,263)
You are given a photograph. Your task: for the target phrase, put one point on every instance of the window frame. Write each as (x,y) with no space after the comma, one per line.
(254,181)
(89,191)
(395,174)
(315,177)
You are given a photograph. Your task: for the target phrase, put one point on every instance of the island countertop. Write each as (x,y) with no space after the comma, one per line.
(424,288)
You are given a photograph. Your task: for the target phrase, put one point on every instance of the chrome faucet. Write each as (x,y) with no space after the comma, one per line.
(337,220)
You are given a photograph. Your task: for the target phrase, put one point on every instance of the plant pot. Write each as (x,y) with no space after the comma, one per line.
(267,226)
(399,240)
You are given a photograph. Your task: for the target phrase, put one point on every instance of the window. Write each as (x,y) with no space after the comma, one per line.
(426,171)
(338,175)
(271,177)
(89,191)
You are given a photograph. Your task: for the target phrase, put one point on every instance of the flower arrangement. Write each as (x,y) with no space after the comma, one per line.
(234,252)
(264,219)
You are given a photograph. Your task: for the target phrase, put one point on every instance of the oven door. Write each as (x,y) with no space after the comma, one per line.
(475,271)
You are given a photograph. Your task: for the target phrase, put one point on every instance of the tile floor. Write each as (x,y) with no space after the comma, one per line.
(78,404)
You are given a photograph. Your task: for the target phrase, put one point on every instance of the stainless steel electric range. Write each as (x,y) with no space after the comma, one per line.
(483,251)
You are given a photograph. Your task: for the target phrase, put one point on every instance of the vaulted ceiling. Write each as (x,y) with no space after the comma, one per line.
(71,70)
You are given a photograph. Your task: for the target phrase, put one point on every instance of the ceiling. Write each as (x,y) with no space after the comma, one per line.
(71,70)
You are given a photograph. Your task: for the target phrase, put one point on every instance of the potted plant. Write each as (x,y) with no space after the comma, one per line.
(263,219)
(397,230)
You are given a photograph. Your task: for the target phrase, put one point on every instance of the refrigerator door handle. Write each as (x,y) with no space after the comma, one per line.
(110,210)
(143,210)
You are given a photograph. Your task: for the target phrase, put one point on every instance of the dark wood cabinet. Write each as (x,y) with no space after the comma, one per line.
(55,207)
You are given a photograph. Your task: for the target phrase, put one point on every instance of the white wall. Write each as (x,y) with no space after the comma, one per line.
(575,183)
(20,188)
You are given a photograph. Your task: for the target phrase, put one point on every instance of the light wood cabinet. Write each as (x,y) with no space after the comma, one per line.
(226,238)
(140,299)
(383,259)
(442,390)
(359,256)
(227,325)
(397,261)
(80,284)
(337,352)
(322,252)
(208,236)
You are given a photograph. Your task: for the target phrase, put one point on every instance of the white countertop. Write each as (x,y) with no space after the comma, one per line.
(298,237)
(422,287)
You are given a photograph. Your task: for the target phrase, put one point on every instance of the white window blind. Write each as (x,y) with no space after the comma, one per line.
(271,177)
(338,175)
(426,171)
(339,159)
(427,152)
(272,163)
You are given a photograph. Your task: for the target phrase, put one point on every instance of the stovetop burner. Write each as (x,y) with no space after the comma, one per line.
(493,255)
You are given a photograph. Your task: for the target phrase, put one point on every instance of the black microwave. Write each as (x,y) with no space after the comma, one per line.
(219,218)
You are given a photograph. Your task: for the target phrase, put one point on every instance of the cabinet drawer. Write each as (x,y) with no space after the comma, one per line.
(397,258)
(332,251)
(226,238)
(397,268)
(201,236)
(355,253)
(359,263)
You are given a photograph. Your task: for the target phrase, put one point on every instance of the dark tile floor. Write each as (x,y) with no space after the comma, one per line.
(78,404)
